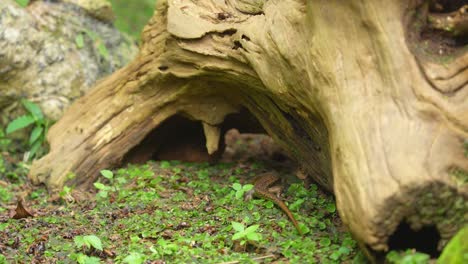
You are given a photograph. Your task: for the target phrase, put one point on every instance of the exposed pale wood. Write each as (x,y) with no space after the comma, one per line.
(334,82)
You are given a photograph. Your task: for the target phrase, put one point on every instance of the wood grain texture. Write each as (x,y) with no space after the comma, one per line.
(336,83)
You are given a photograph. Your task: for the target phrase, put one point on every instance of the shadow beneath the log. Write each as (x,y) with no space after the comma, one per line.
(181,138)
(177,138)
(424,240)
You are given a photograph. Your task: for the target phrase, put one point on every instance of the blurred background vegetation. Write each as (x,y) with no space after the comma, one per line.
(131,16)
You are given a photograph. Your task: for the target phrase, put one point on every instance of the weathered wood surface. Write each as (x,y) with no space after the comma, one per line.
(343,86)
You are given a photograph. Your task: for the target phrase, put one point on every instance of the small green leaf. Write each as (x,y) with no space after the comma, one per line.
(34,148)
(134,258)
(239,227)
(90,260)
(304,229)
(296,205)
(66,190)
(344,250)
(239,194)
(269,204)
(247,187)
(3,226)
(102,194)
(322,225)
(94,241)
(93,35)
(456,250)
(325,242)
(335,255)
(349,242)
(252,228)
(79,257)
(237,236)
(236,186)
(19,123)
(203,174)
(103,50)
(360,258)
(79,241)
(254,236)
(46,126)
(393,257)
(415,258)
(107,174)
(165,164)
(101,186)
(34,109)
(79,41)
(331,208)
(35,134)
(122,180)
(22,3)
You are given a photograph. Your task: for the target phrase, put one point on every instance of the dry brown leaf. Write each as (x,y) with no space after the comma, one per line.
(20,212)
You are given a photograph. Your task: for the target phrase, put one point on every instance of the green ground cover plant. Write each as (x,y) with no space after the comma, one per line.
(174,212)
(40,124)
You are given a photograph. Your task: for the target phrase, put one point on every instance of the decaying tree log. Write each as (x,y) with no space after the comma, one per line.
(357,92)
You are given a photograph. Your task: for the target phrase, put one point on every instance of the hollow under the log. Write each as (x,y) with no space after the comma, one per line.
(180,138)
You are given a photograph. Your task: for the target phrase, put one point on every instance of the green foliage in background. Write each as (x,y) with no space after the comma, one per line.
(456,252)
(34,117)
(132,16)
(98,43)
(4,141)
(22,3)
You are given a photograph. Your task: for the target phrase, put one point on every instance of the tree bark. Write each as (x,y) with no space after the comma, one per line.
(350,89)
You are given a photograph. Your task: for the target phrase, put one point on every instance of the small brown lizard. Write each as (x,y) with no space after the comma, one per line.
(261,185)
